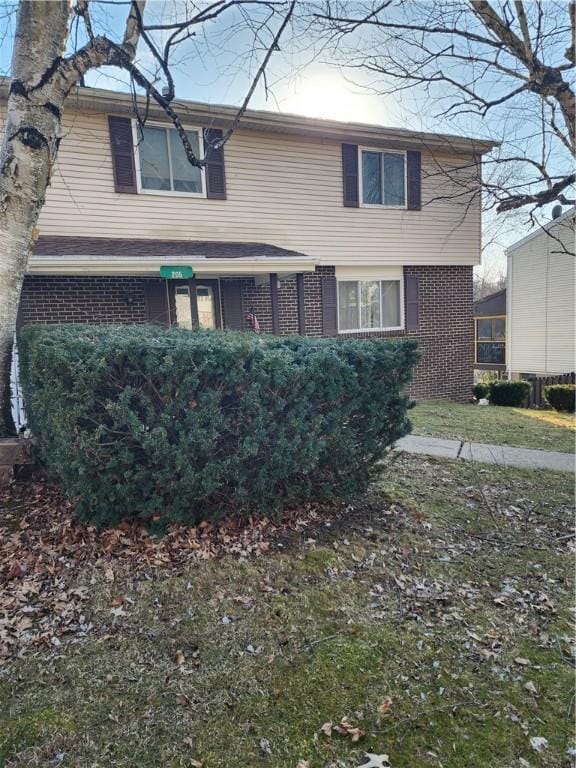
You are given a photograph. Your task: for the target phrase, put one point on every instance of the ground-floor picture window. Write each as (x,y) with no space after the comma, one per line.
(369,305)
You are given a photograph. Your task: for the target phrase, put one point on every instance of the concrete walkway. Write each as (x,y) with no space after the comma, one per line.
(504,455)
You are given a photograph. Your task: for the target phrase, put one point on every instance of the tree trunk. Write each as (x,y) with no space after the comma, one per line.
(29,147)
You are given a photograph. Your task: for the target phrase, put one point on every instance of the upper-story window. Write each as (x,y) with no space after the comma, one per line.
(163,165)
(383,178)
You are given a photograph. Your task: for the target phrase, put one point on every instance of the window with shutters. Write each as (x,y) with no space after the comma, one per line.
(370,305)
(163,167)
(382,178)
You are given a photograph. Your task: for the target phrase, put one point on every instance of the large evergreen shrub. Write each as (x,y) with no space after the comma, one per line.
(180,426)
(511,393)
(561,397)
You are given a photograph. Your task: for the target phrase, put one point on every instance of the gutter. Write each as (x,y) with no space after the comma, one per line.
(150,265)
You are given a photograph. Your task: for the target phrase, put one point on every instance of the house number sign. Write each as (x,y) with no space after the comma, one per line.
(176,273)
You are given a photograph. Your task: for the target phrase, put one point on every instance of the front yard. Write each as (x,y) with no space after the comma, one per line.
(522,427)
(433,615)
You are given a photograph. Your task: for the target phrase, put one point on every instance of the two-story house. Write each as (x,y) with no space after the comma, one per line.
(309,226)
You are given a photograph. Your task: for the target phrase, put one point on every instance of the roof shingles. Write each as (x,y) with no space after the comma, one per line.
(108,247)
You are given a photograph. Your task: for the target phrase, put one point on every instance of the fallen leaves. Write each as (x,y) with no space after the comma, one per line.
(344,728)
(538,743)
(386,706)
(265,747)
(44,550)
(183,700)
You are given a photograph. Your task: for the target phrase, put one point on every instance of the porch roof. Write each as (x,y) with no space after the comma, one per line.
(108,256)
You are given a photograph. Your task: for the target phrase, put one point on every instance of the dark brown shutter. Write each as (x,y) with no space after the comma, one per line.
(122,146)
(232,305)
(156,302)
(215,173)
(414,178)
(329,307)
(412,302)
(350,175)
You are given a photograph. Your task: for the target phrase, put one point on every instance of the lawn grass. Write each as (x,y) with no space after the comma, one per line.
(522,427)
(446,588)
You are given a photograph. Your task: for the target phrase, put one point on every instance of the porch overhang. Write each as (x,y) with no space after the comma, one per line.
(54,255)
(149,266)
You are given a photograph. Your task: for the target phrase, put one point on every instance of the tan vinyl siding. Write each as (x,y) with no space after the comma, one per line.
(282,190)
(541,309)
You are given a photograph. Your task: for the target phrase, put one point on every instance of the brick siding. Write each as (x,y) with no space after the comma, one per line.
(82,300)
(445,331)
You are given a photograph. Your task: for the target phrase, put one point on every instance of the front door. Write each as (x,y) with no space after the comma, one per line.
(206,306)
(205,313)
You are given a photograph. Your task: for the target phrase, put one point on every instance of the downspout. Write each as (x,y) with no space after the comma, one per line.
(509,314)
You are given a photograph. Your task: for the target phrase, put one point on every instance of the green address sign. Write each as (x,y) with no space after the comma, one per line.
(176,273)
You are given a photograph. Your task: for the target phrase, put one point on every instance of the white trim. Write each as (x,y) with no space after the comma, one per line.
(371,280)
(399,261)
(509,262)
(356,272)
(381,152)
(150,265)
(168,192)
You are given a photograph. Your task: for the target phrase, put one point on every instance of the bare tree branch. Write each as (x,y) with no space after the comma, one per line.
(501,60)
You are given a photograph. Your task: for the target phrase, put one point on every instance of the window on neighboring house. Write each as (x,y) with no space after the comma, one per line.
(383,178)
(164,166)
(369,305)
(490,340)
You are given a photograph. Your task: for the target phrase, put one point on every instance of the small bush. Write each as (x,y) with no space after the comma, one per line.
(170,425)
(480,390)
(561,397)
(512,393)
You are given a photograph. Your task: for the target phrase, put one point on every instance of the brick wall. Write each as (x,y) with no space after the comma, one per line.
(445,330)
(82,300)
(445,333)
(257,297)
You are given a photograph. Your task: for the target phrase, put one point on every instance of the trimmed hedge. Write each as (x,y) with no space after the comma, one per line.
(561,397)
(512,393)
(173,425)
(480,390)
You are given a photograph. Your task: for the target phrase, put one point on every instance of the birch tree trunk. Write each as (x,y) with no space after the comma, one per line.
(30,144)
